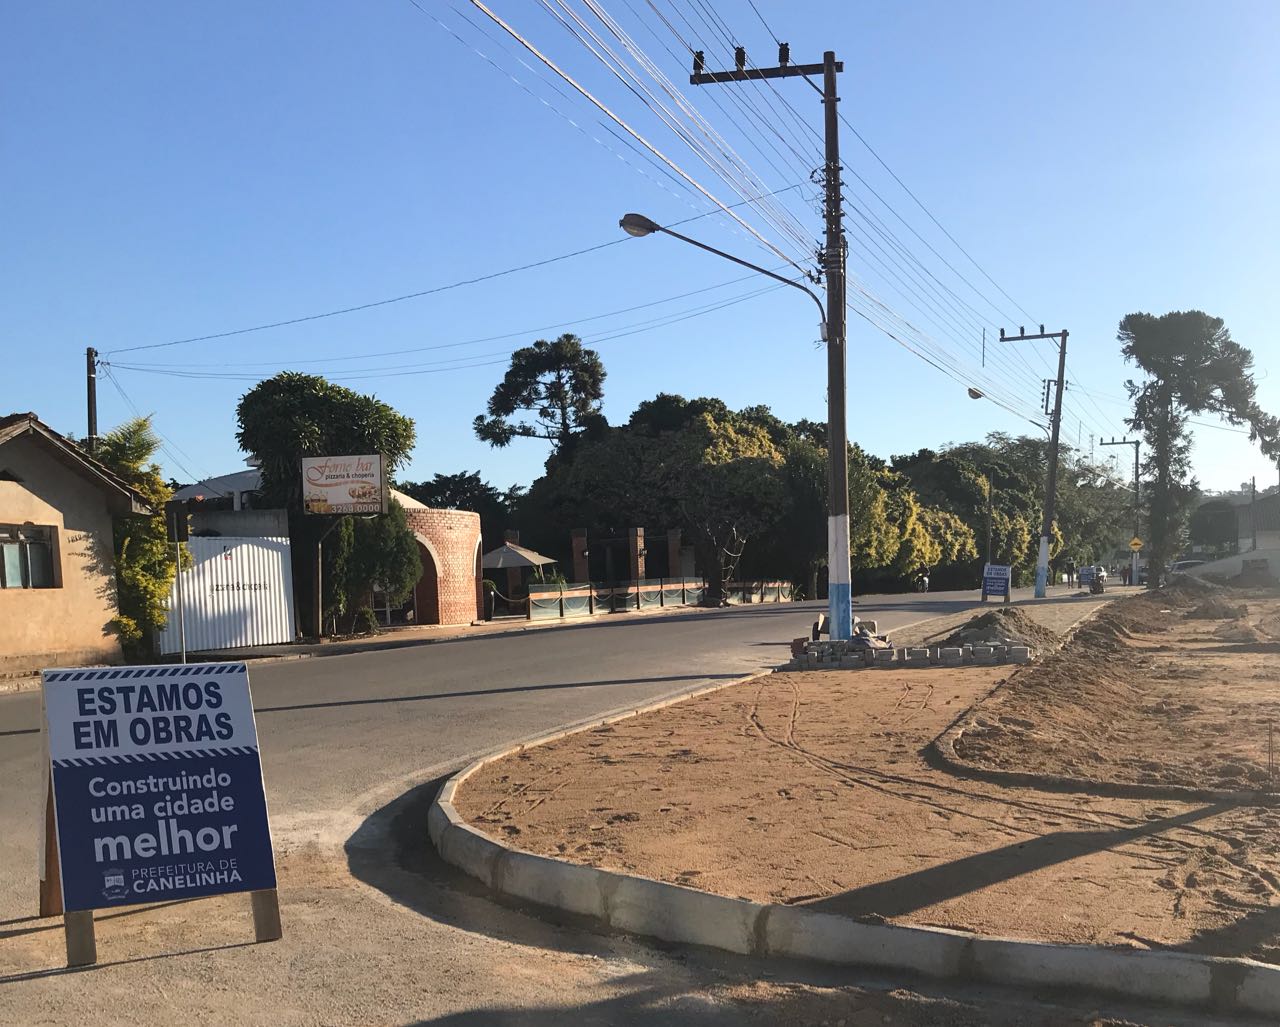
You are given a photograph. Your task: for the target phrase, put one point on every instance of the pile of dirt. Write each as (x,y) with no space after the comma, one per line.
(1125,703)
(1004,626)
(1218,609)
(1239,631)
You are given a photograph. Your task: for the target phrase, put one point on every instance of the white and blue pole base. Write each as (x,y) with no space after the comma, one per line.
(839,580)
(1042,568)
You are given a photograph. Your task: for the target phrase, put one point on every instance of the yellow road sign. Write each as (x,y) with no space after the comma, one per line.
(1135,543)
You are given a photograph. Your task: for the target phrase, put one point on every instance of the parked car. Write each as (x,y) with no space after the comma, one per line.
(1182,566)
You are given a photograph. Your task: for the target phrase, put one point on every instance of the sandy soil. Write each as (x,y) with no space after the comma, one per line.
(812,788)
(1164,689)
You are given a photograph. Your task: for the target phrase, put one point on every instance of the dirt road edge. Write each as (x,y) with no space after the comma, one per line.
(673,913)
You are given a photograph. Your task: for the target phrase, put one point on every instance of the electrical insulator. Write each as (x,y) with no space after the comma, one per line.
(784,54)
(740,57)
(699,62)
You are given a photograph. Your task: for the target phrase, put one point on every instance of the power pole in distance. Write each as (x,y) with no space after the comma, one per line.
(1046,530)
(1137,507)
(840,584)
(91,397)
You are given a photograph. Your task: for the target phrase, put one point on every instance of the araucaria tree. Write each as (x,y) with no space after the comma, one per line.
(557,385)
(1191,365)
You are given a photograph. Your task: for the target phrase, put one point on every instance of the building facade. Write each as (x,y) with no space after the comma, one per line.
(57,565)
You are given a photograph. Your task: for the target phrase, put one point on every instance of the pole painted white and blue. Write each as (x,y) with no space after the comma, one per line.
(1042,568)
(839,579)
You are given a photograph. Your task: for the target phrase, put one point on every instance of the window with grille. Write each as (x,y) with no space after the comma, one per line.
(26,556)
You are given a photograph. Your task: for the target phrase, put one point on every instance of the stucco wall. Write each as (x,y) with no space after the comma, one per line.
(450,540)
(67,625)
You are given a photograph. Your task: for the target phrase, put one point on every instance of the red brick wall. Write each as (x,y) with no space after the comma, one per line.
(448,543)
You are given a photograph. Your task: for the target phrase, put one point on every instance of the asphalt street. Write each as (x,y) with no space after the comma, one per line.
(342,737)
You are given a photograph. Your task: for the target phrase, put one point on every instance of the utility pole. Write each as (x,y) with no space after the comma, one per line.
(91,395)
(1253,510)
(840,583)
(1137,503)
(1046,530)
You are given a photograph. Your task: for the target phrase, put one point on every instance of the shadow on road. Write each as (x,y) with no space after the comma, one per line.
(490,691)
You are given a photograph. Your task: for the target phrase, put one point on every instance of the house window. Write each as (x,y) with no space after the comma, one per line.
(26,556)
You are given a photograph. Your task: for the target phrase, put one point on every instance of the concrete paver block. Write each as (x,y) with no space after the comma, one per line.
(886,658)
(951,656)
(1019,654)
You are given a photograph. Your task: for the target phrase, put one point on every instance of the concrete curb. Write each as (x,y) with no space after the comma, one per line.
(681,915)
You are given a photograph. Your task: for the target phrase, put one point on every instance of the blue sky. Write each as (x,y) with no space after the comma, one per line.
(172,171)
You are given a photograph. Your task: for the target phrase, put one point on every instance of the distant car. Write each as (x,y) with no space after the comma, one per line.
(1182,566)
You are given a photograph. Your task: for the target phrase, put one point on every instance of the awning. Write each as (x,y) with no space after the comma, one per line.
(511,555)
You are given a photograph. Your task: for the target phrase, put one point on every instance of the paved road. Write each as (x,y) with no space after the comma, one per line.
(333,729)
(342,737)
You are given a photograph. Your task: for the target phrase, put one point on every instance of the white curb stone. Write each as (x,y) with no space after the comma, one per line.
(674,913)
(550,882)
(805,934)
(1167,976)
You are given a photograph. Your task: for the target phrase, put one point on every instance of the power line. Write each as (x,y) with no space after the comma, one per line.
(625,126)
(411,295)
(371,305)
(466,342)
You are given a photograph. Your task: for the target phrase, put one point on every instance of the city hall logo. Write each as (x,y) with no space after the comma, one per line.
(113,886)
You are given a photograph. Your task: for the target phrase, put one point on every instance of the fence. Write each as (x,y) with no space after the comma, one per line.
(742,592)
(237,591)
(548,602)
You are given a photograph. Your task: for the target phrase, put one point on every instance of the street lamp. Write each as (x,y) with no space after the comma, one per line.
(638,226)
(839,585)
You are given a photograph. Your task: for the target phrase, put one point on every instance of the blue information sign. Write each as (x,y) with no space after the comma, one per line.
(995,579)
(157,784)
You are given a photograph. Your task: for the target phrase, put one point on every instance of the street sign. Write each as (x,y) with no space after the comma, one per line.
(157,790)
(1135,543)
(996,579)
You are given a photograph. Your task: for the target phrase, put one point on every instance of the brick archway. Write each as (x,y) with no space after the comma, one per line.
(426,593)
(448,543)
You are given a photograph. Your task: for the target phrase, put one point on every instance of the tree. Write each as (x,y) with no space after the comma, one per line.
(383,553)
(560,384)
(294,415)
(467,491)
(1191,366)
(145,559)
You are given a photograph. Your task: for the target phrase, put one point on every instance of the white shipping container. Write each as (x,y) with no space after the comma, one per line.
(239,591)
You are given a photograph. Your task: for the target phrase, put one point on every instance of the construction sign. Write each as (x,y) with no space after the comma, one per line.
(156,786)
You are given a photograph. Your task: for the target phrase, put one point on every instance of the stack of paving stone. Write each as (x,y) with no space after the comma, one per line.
(855,654)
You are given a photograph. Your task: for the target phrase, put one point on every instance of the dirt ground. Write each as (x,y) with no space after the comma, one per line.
(813,788)
(1175,688)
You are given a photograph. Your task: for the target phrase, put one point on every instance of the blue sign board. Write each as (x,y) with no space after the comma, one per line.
(157,784)
(995,579)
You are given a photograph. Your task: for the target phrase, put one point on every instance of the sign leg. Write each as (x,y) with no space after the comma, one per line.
(266,914)
(50,874)
(82,946)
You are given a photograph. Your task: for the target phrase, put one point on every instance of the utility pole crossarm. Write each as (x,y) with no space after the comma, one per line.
(706,78)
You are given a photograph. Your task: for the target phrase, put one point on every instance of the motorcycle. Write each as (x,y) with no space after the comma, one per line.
(922,583)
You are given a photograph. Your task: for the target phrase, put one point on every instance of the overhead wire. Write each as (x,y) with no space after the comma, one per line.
(480,5)
(716,153)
